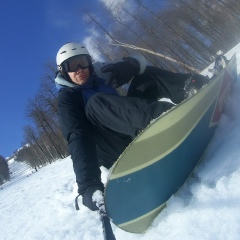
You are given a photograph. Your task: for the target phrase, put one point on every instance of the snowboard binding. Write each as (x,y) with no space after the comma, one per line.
(220,62)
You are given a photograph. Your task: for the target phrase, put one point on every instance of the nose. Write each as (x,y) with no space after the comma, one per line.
(79,69)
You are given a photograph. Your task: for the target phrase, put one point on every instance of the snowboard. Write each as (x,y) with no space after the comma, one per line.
(161,158)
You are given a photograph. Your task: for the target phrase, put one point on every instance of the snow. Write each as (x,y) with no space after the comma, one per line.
(41,206)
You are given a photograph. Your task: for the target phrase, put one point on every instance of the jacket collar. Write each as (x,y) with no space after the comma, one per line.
(60,81)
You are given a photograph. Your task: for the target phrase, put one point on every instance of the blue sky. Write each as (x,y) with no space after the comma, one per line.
(31,34)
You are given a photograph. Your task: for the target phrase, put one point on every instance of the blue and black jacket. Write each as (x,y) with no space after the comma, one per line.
(76,128)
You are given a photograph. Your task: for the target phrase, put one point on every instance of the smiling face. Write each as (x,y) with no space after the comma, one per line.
(80,76)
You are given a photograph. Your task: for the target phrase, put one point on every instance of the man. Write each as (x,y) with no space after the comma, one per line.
(97,123)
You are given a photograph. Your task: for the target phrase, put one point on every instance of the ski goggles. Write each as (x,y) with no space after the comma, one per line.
(74,63)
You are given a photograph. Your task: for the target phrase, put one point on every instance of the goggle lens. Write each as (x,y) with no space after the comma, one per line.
(74,63)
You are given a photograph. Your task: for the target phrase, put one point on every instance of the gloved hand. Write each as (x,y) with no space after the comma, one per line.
(121,72)
(87,197)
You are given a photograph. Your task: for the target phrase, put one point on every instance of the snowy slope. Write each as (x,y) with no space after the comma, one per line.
(208,207)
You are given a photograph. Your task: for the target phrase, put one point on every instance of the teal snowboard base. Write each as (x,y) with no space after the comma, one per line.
(159,161)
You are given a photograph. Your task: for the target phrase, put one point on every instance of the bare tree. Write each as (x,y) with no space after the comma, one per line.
(4,170)
(188,31)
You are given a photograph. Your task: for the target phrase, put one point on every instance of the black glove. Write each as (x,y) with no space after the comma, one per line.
(121,72)
(87,197)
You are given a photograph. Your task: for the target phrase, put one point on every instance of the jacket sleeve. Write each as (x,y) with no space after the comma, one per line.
(78,133)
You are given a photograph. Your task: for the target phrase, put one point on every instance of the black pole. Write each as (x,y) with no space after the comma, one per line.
(106,225)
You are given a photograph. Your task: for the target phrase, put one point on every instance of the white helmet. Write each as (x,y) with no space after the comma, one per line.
(70,50)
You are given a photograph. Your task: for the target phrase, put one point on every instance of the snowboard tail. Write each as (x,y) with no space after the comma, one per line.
(158,162)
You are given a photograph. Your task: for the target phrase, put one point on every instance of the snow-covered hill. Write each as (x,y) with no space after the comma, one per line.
(19,170)
(41,207)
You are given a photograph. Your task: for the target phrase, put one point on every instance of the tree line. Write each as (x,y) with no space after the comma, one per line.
(177,35)
(4,170)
